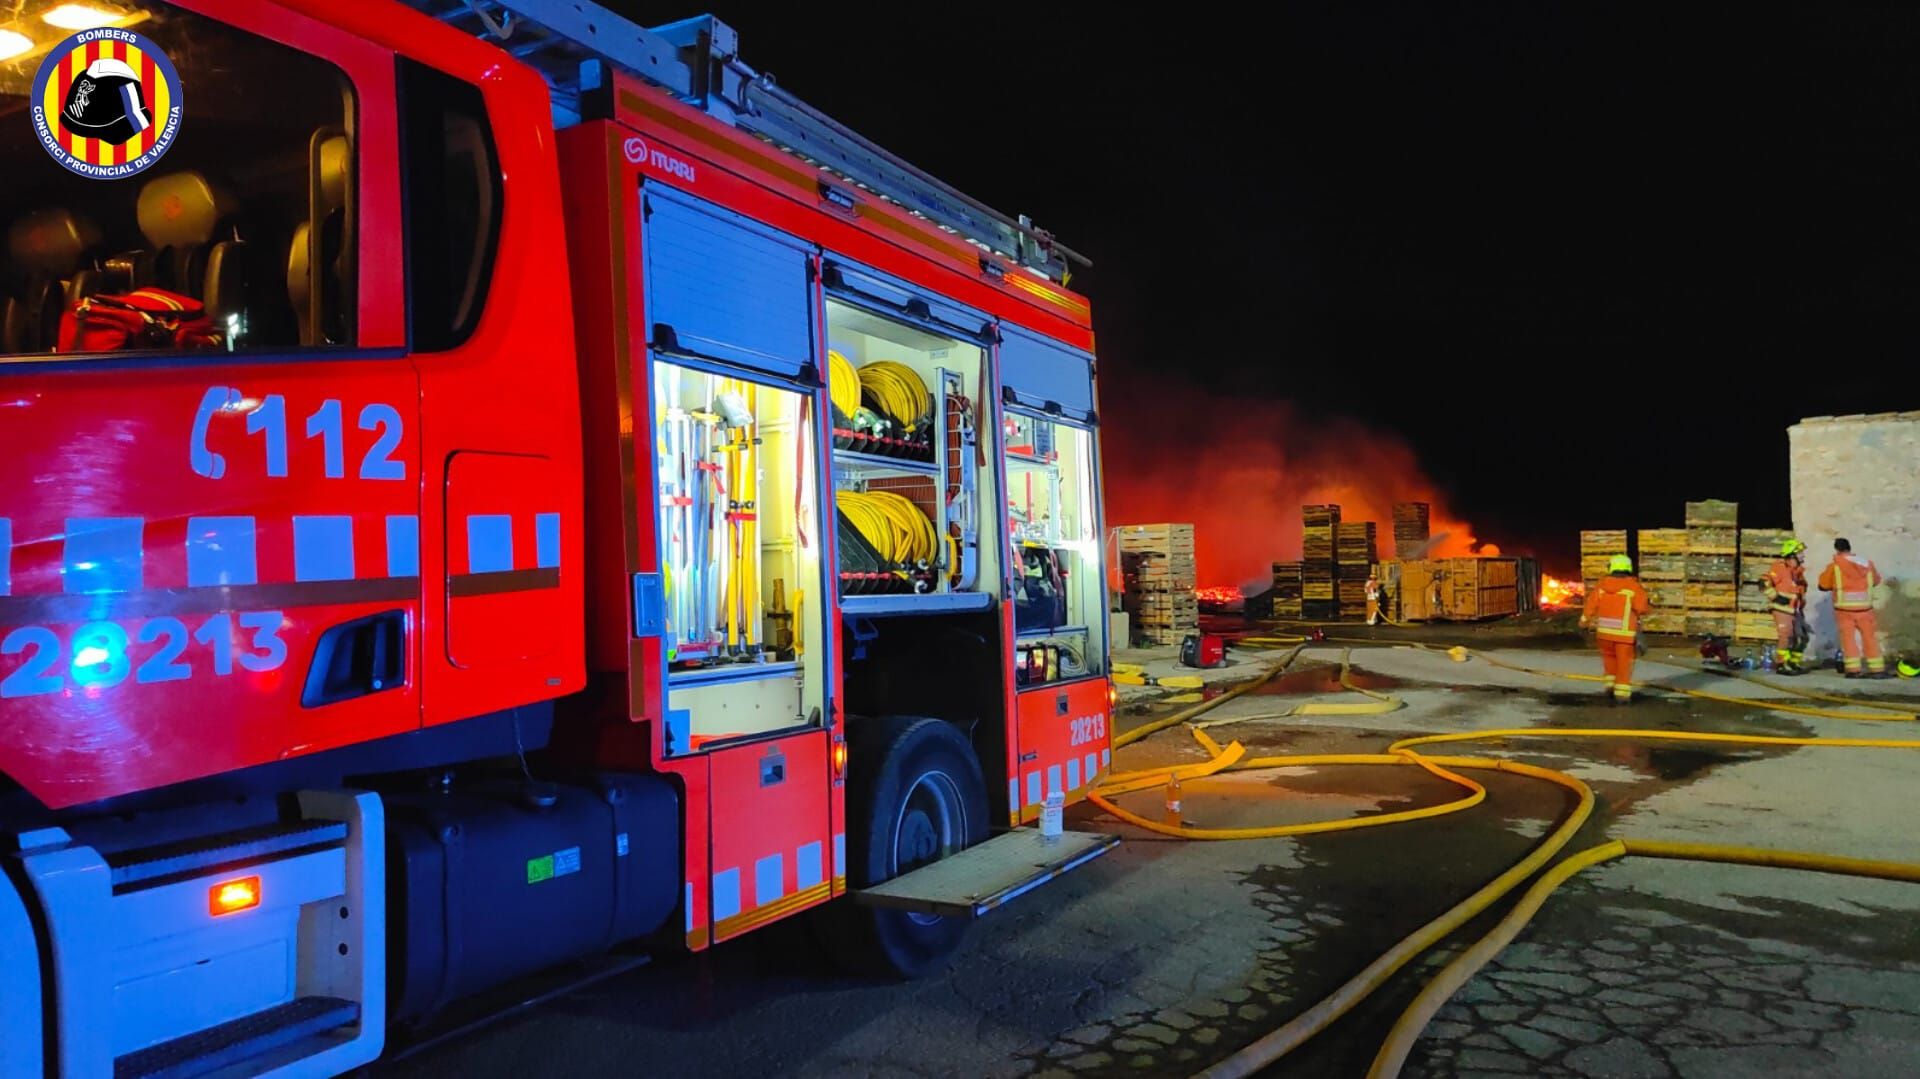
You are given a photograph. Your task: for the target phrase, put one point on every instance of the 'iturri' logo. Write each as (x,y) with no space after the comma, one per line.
(106,103)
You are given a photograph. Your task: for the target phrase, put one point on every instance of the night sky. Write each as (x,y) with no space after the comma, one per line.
(1587,261)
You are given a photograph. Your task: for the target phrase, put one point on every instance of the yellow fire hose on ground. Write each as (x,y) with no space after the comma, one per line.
(1394,1051)
(1400,1040)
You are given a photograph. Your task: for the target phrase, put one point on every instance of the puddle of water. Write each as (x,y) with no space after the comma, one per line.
(1320,680)
(1677,764)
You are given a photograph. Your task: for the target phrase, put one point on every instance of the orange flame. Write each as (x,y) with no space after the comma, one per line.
(1242,473)
(1218,594)
(1556,593)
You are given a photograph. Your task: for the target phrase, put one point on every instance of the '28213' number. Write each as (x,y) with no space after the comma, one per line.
(1087,729)
(99,655)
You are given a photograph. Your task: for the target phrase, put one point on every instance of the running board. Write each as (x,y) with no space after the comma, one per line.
(241,1040)
(980,878)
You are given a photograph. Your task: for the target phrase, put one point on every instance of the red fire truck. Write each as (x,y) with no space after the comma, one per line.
(481,482)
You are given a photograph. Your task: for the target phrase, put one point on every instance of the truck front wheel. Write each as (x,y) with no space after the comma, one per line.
(915,794)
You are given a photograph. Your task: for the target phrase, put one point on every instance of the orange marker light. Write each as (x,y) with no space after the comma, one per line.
(234,895)
(839,759)
(1113,695)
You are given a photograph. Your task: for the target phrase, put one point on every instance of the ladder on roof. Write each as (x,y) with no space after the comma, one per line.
(697,60)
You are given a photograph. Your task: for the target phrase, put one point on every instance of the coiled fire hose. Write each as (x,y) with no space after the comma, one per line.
(896,392)
(843,384)
(1399,1043)
(892,524)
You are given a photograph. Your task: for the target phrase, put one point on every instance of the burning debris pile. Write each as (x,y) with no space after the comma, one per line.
(1241,475)
(1556,594)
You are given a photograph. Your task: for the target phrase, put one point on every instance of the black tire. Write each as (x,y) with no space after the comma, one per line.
(915,794)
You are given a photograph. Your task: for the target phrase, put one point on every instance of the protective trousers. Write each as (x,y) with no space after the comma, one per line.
(1860,624)
(1617,657)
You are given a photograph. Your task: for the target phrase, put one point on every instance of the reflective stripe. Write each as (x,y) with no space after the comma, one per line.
(221,551)
(767,885)
(489,542)
(726,894)
(1845,599)
(403,545)
(1621,626)
(104,554)
(546,540)
(807,870)
(323,548)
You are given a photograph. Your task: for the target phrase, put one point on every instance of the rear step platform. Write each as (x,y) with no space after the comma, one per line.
(231,1043)
(148,866)
(982,877)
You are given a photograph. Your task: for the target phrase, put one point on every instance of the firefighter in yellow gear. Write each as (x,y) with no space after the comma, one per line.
(1614,609)
(1785,583)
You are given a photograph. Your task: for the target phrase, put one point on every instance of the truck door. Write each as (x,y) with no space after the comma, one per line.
(190,519)
(732,328)
(1057,586)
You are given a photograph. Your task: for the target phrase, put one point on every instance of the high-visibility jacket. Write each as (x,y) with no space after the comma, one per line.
(1615,606)
(1376,591)
(1851,580)
(1785,583)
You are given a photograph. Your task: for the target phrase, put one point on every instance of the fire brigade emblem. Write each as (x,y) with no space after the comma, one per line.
(106,103)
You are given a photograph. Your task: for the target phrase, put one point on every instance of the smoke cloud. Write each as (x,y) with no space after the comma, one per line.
(1240,470)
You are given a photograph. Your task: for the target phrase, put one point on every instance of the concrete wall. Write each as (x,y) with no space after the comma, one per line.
(1859,477)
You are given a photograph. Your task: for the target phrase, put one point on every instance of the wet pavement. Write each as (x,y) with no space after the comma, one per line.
(1168,955)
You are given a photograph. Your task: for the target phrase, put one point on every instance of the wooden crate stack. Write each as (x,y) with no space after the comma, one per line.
(1289,589)
(1713,550)
(1759,547)
(1455,589)
(1356,549)
(1663,569)
(1597,548)
(1159,570)
(1412,529)
(1319,597)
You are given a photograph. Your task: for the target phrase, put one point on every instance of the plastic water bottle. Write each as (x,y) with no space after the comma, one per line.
(1052,813)
(1746,661)
(1172,816)
(1766,659)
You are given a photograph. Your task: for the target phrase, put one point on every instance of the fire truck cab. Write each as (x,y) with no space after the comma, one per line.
(486,482)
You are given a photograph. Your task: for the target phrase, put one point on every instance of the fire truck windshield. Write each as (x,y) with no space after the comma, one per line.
(153,153)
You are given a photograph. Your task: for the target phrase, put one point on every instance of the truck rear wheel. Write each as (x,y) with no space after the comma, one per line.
(915,794)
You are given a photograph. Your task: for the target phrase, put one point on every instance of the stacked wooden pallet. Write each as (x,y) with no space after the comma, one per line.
(1289,589)
(1456,589)
(1356,549)
(1159,573)
(1597,548)
(1412,528)
(1320,598)
(1663,569)
(1713,549)
(1759,548)
(1318,527)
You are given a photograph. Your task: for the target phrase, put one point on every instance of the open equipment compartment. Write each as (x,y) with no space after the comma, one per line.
(906,379)
(740,554)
